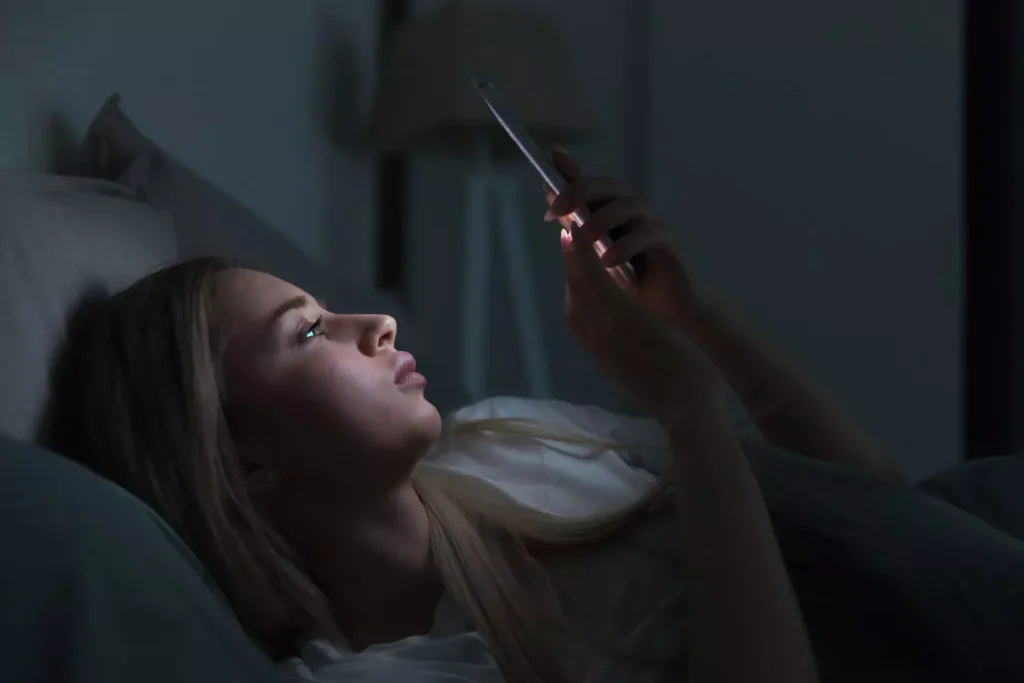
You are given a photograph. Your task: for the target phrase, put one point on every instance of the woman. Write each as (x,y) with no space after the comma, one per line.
(284,443)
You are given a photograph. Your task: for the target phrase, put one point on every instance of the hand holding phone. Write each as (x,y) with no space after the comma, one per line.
(637,236)
(545,166)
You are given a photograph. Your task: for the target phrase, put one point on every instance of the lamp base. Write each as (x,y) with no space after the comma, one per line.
(488,196)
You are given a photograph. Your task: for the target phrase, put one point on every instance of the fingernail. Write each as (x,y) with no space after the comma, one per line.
(548,216)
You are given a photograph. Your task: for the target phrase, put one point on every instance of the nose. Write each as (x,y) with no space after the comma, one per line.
(380,334)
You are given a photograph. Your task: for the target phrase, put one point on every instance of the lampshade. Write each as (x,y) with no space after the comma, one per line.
(425,98)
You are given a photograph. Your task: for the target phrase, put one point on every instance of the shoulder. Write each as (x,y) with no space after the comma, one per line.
(562,459)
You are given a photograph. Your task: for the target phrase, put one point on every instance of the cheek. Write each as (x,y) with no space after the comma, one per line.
(345,399)
(337,417)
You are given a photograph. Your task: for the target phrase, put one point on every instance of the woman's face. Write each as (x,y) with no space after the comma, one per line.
(319,401)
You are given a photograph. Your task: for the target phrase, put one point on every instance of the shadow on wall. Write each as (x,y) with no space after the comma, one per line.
(63,148)
(336,95)
(337,89)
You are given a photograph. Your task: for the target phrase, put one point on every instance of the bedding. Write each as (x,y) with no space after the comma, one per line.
(98,589)
(59,238)
(207,220)
(990,488)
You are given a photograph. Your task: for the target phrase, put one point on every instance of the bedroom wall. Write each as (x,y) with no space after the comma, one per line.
(810,155)
(240,90)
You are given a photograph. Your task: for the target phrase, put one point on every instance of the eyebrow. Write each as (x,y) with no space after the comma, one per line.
(300,301)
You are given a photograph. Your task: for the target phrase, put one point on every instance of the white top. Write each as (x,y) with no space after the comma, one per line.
(638,594)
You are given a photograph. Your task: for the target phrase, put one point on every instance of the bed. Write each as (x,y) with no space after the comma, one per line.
(139,209)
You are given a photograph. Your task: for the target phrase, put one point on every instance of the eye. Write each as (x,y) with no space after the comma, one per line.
(313,330)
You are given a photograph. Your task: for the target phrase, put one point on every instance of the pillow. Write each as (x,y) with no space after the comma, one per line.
(60,237)
(98,589)
(207,220)
(988,488)
(210,222)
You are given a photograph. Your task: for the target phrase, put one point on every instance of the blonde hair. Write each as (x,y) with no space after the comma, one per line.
(138,400)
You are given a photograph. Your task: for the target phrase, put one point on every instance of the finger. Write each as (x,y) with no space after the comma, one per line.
(637,241)
(549,198)
(566,165)
(626,213)
(584,271)
(564,221)
(621,279)
(586,193)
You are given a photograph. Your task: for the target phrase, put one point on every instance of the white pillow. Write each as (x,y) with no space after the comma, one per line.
(59,237)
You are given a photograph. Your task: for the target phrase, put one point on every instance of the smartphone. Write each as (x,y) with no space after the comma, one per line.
(540,160)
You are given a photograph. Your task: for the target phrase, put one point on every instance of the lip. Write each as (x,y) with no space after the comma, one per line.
(405,371)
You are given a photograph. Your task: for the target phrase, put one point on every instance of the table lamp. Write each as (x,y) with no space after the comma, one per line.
(426,101)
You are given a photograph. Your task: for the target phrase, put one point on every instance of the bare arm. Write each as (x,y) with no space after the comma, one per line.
(746,626)
(788,407)
(745,621)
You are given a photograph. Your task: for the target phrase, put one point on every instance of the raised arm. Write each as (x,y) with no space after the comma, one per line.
(744,622)
(788,406)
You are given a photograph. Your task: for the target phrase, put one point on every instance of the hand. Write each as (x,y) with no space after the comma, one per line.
(656,364)
(663,283)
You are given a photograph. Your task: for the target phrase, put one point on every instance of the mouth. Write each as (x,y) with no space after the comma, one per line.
(406,376)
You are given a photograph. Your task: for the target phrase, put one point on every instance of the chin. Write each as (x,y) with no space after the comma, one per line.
(429,419)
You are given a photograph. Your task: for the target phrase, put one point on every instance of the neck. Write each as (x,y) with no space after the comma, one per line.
(374,565)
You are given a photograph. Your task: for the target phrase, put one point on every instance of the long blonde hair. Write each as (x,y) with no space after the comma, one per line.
(137,399)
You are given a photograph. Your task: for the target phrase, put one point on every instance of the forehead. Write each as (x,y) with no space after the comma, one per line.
(245,298)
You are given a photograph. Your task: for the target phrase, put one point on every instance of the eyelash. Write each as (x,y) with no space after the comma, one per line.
(312,331)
